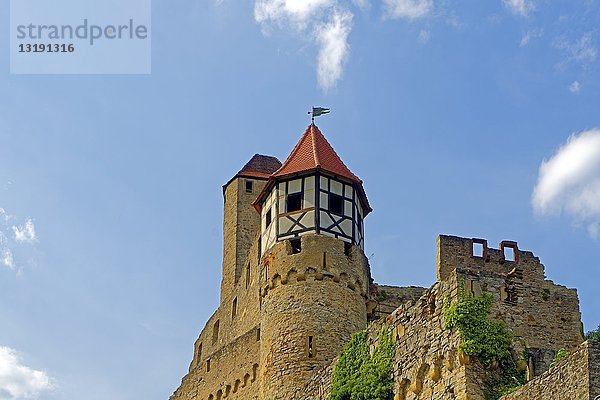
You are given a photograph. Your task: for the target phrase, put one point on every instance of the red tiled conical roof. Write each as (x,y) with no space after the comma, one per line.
(314,152)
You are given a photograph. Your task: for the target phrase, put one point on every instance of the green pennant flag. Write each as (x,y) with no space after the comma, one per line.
(318,111)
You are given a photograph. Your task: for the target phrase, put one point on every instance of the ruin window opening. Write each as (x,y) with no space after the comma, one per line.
(249,186)
(325,261)
(208,365)
(294,202)
(296,245)
(215,335)
(268,219)
(336,204)
(234,308)
(247,275)
(258,334)
(311,347)
(477,249)
(509,254)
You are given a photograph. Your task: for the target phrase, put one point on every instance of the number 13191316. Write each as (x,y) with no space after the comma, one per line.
(46,48)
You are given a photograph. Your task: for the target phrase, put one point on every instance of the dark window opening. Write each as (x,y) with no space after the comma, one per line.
(215,332)
(347,248)
(294,202)
(199,352)
(234,308)
(249,186)
(336,204)
(268,218)
(259,249)
(258,334)
(296,246)
(207,365)
(311,347)
(247,275)
(325,261)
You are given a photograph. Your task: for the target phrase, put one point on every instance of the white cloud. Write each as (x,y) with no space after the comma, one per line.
(7,258)
(575,87)
(13,234)
(582,50)
(408,8)
(284,11)
(530,35)
(324,21)
(519,7)
(569,182)
(334,48)
(18,381)
(25,233)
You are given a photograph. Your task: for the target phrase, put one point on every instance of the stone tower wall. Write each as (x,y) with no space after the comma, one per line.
(241,224)
(320,293)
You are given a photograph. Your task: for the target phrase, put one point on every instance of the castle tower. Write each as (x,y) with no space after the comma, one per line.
(314,275)
(240,220)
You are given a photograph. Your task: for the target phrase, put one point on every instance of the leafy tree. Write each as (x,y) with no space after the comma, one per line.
(594,335)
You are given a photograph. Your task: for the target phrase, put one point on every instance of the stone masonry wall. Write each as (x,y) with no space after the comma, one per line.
(389,298)
(231,372)
(543,317)
(575,378)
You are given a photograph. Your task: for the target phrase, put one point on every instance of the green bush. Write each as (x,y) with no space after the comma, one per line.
(359,375)
(483,338)
(487,340)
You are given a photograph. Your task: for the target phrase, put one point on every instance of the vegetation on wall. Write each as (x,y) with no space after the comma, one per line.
(487,340)
(482,337)
(359,375)
(594,335)
(560,355)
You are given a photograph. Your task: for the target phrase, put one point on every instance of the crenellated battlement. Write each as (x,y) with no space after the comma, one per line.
(318,258)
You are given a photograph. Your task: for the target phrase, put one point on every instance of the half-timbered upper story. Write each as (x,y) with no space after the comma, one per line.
(313,192)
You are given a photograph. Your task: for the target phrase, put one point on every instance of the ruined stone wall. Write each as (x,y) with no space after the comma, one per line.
(543,317)
(388,298)
(575,378)
(313,301)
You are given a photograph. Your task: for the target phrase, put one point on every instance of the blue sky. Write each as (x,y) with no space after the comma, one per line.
(473,118)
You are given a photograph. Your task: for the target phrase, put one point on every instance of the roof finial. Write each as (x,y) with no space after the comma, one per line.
(317,112)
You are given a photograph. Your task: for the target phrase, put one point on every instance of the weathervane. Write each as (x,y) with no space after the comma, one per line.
(317,112)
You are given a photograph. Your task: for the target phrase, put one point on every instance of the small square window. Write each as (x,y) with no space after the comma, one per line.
(294,202)
(296,246)
(336,204)
(249,186)
(268,219)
